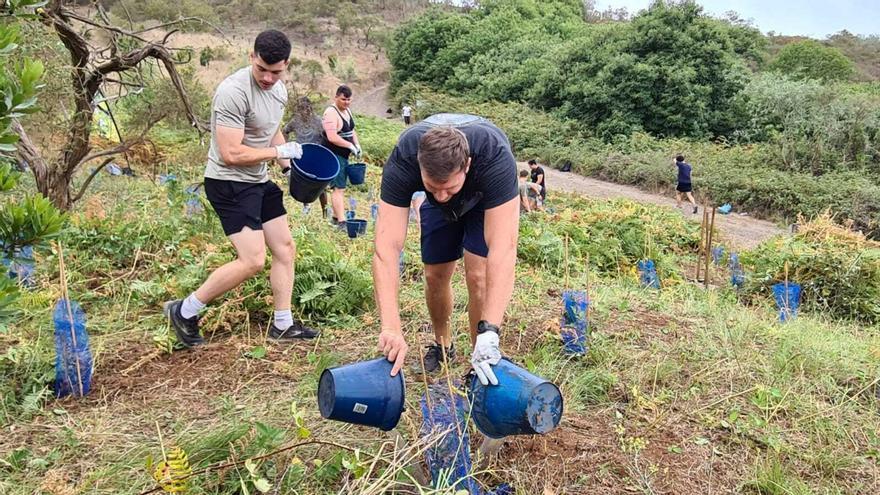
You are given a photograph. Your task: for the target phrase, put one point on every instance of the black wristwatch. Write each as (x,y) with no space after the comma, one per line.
(284,170)
(484,326)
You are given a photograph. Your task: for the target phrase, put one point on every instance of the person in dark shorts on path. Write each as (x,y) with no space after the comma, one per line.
(685,186)
(342,140)
(246,115)
(465,165)
(539,178)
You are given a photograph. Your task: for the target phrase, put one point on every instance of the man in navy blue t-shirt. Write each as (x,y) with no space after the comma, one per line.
(685,186)
(468,172)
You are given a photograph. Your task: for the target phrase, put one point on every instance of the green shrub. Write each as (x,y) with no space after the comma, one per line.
(377,137)
(839,270)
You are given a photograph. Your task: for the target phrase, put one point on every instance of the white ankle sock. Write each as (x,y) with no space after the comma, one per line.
(191,306)
(283,319)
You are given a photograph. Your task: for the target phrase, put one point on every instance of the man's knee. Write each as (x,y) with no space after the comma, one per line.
(476,281)
(253,262)
(438,275)
(284,252)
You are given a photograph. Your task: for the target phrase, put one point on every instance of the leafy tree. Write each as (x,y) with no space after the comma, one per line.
(25,220)
(810,59)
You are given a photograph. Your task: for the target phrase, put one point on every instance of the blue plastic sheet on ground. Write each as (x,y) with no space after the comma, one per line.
(737,275)
(717,255)
(20,266)
(73,357)
(648,274)
(788,300)
(725,208)
(574,325)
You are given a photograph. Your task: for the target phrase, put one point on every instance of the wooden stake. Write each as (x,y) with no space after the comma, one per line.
(66,297)
(709,245)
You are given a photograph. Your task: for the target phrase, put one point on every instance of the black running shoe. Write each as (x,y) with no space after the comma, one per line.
(297,331)
(695,210)
(434,357)
(186,329)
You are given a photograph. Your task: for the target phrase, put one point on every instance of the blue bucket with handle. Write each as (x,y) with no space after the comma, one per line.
(362,393)
(310,174)
(356,227)
(357,172)
(521,403)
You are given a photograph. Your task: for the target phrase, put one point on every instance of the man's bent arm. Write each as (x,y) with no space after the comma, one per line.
(277,139)
(390,237)
(236,154)
(502,232)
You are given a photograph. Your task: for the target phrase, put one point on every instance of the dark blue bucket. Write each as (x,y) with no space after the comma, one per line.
(311,173)
(356,227)
(788,300)
(521,403)
(362,393)
(357,172)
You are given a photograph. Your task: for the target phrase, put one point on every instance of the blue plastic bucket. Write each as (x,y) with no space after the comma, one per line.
(356,227)
(357,172)
(311,173)
(362,393)
(521,403)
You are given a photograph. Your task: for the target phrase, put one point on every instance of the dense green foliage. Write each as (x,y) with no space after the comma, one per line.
(671,71)
(810,59)
(839,271)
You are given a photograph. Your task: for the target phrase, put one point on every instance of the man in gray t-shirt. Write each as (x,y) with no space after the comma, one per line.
(246,116)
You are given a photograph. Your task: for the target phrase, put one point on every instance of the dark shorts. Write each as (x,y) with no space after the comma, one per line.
(684,187)
(341,179)
(444,241)
(244,204)
(406,120)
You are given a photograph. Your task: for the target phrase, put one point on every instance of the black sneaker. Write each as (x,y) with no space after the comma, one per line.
(297,331)
(434,358)
(695,210)
(186,329)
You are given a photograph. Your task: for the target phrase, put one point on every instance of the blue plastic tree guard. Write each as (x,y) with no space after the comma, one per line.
(73,357)
(374,211)
(113,169)
(166,178)
(648,274)
(737,275)
(717,255)
(21,266)
(401,263)
(788,300)
(193,204)
(574,325)
(449,459)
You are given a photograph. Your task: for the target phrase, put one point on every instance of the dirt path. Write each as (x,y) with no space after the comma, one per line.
(740,230)
(374,102)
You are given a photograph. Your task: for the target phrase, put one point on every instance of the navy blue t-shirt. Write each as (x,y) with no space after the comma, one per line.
(684,172)
(490,182)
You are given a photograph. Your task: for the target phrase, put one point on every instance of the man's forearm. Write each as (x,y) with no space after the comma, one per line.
(500,266)
(385,286)
(276,140)
(245,156)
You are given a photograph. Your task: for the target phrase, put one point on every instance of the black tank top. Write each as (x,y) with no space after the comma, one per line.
(346,133)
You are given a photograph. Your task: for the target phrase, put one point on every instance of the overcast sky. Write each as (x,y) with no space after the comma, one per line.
(814,18)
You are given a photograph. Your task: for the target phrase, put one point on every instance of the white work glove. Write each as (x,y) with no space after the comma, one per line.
(289,150)
(356,150)
(486,353)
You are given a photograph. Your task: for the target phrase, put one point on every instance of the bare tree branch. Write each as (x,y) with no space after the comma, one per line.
(184,20)
(90,178)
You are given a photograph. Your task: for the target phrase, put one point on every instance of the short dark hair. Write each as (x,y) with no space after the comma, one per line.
(272,46)
(344,91)
(523,173)
(532,162)
(443,151)
(679,158)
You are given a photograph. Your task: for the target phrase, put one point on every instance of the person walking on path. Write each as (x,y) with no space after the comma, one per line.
(305,127)
(539,178)
(685,185)
(465,165)
(341,138)
(407,114)
(246,115)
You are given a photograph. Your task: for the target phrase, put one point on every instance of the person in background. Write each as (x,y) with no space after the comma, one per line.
(305,127)
(685,184)
(528,192)
(407,114)
(540,179)
(341,138)
(246,115)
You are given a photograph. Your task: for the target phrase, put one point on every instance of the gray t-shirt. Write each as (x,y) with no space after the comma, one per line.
(240,103)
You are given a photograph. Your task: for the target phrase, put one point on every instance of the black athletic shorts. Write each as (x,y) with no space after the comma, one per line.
(684,187)
(244,204)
